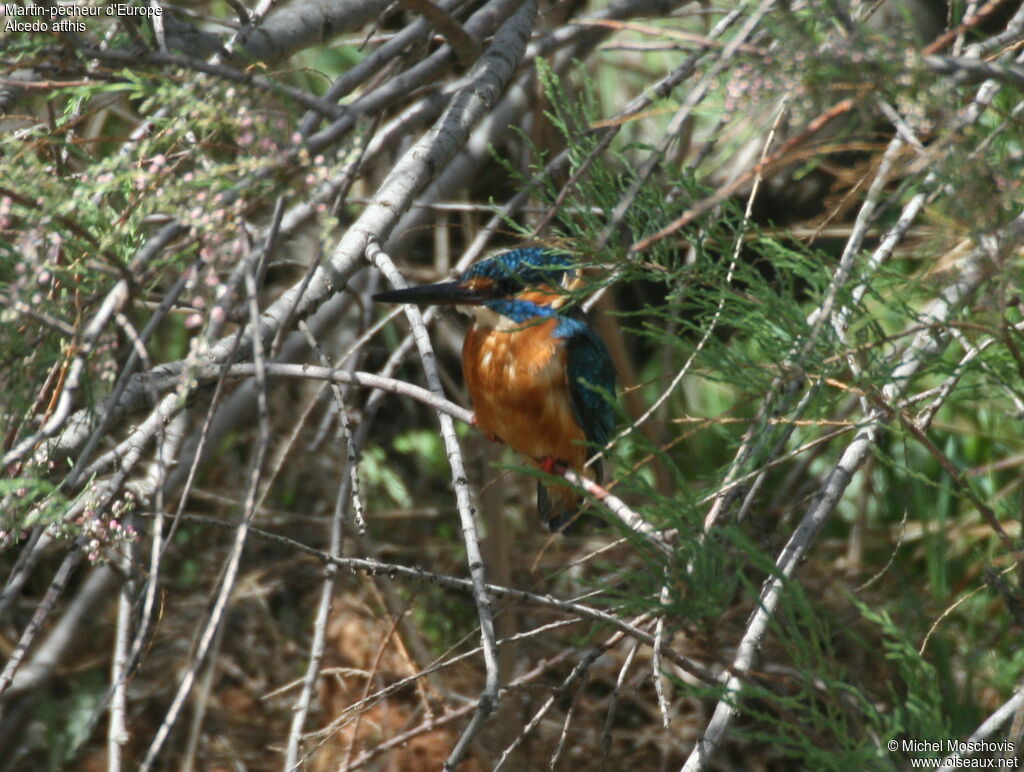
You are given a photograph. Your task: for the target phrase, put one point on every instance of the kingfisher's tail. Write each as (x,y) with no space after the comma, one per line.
(558,505)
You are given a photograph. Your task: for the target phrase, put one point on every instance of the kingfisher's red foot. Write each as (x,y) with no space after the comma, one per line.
(488,435)
(552,465)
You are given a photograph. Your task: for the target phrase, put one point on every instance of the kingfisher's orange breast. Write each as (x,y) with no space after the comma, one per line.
(518,382)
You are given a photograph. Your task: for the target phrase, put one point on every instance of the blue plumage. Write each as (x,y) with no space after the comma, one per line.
(591,385)
(517,269)
(591,380)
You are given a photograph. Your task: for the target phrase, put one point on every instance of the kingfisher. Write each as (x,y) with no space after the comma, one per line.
(540,379)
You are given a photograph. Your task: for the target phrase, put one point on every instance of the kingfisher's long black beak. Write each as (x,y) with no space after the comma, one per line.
(449,293)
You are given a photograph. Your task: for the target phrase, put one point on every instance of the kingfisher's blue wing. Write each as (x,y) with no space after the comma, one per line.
(591,378)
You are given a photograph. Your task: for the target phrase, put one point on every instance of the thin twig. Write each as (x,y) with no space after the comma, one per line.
(117,731)
(465,47)
(43,609)
(514,594)
(995,720)
(489,694)
(317,647)
(231,567)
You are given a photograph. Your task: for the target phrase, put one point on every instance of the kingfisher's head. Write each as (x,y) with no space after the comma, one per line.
(520,278)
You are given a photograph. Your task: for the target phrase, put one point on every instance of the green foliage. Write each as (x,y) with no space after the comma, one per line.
(810,713)
(423,446)
(28,502)
(376,470)
(65,718)
(816,715)
(916,700)
(82,193)
(738,313)
(81,202)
